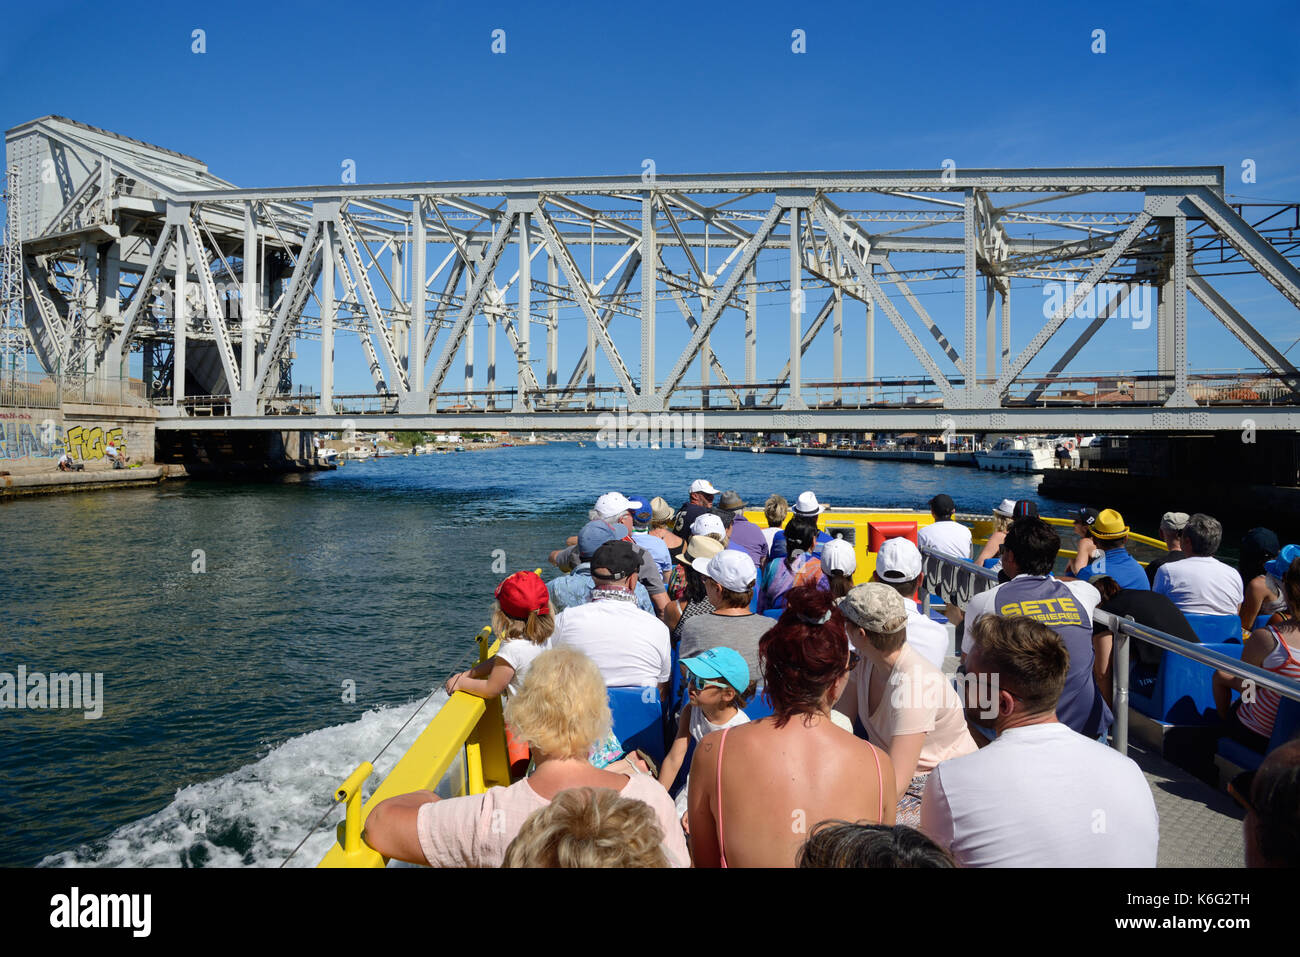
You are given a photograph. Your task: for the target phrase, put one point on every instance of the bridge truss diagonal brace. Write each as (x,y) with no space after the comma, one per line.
(620,287)
(212,306)
(993,396)
(1084,338)
(710,316)
(1238,325)
(352,299)
(56,330)
(294,298)
(863,274)
(448,290)
(91,185)
(684,308)
(888,269)
(141,295)
(582,292)
(482,279)
(1257,250)
(809,335)
(346,233)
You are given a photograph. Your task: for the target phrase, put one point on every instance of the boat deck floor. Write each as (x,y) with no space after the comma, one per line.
(1199,825)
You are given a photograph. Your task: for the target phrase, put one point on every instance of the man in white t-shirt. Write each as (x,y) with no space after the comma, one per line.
(944,535)
(1039,795)
(630,646)
(898,565)
(1200,584)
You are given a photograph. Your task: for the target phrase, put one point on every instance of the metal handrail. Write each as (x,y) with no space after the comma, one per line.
(1199,653)
(1125,628)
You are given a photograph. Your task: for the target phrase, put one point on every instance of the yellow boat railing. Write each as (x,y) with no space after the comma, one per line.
(981,527)
(466,724)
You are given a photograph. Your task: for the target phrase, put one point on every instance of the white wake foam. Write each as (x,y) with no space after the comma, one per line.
(255,816)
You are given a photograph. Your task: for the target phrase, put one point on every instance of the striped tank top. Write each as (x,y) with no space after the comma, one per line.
(1259,715)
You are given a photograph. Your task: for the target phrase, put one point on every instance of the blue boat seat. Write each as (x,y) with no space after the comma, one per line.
(760,706)
(774,612)
(1183,693)
(1286,727)
(638,720)
(1215,628)
(1261,621)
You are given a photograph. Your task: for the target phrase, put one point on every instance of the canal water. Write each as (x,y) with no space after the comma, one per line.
(258,641)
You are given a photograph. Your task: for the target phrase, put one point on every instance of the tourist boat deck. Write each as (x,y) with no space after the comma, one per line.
(462,750)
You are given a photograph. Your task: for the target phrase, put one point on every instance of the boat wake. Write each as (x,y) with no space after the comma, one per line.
(255,816)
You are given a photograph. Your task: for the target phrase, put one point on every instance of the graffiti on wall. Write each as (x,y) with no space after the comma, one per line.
(87,442)
(23,437)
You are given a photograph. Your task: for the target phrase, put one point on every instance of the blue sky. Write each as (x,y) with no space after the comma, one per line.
(286,92)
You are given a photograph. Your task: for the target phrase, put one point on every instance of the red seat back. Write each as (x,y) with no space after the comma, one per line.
(880,532)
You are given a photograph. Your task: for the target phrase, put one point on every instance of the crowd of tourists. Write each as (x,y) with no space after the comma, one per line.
(818,723)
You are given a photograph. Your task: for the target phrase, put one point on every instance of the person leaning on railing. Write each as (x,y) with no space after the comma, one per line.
(561,712)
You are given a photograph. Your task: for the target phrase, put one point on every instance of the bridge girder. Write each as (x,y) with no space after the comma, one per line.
(253,260)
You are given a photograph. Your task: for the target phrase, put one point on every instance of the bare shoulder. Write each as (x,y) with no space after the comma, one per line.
(1264,638)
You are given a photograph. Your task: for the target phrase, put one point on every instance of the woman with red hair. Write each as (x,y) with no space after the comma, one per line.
(758,789)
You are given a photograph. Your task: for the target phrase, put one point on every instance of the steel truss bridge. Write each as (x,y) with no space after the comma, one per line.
(127,247)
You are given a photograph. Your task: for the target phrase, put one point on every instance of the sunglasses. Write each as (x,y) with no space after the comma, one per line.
(699,684)
(854,658)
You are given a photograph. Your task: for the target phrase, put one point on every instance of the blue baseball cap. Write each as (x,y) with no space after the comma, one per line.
(641,511)
(720,662)
(593,535)
(1279,566)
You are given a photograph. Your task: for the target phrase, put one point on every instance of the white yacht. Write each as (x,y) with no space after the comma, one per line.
(1017,455)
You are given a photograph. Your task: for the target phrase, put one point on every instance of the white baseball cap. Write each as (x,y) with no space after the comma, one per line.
(898,560)
(732,569)
(838,556)
(703,485)
(1006,508)
(614,503)
(807,504)
(708,524)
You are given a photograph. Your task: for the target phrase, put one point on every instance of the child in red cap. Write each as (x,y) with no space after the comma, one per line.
(522,619)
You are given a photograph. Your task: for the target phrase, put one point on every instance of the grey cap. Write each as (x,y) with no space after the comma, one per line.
(875,607)
(730,501)
(1174,521)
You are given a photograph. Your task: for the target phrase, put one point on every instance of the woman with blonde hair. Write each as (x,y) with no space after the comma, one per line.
(589,827)
(561,711)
